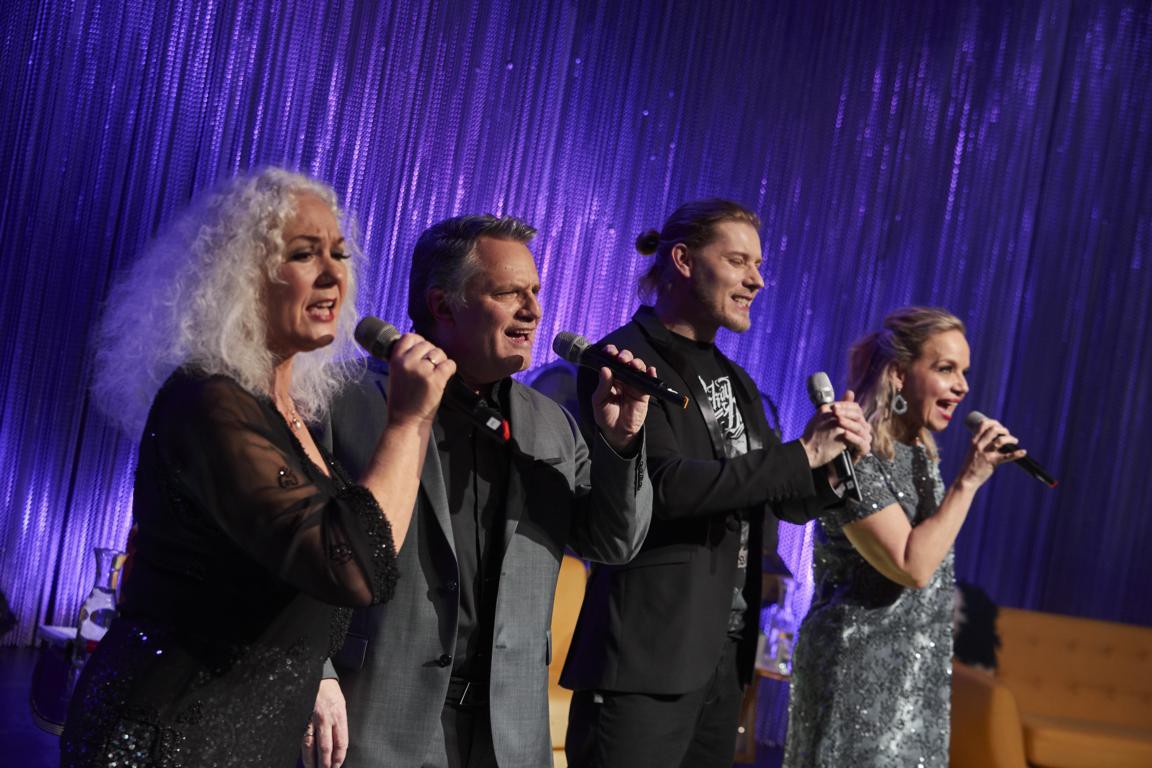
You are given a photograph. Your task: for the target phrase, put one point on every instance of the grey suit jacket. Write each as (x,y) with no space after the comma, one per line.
(395,667)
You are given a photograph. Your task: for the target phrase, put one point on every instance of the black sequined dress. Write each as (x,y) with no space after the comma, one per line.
(871,682)
(244,550)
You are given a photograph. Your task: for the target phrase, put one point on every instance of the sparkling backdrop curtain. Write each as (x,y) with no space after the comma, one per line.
(992,158)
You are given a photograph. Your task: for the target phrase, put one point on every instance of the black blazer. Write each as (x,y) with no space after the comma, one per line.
(658,623)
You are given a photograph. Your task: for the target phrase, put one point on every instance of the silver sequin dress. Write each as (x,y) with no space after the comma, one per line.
(871,683)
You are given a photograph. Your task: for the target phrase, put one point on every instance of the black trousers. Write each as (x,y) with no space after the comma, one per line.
(697,729)
(467,739)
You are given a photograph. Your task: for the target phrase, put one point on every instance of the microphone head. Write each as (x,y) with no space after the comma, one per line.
(376,336)
(973,420)
(820,390)
(569,346)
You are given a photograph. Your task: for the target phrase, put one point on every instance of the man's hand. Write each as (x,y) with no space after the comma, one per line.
(836,426)
(325,742)
(619,410)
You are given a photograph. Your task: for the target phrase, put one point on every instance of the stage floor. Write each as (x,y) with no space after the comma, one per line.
(21,742)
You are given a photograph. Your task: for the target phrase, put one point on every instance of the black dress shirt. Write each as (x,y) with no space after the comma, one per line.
(476,468)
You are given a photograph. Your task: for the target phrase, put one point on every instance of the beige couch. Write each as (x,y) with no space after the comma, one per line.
(565,610)
(1069,692)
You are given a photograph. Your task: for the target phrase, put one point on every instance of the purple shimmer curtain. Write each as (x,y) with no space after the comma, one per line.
(992,158)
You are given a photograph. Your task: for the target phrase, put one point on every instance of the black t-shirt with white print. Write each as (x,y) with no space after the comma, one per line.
(720,388)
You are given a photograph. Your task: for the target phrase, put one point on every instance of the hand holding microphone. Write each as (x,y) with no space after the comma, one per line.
(576,349)
(827,432)
(413,354)
(620,402)
(995,446)
(419,371)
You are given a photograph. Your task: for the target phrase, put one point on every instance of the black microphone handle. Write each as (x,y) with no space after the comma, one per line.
(847,472)
(820,392)
(1029,465)
(595,358)
(378,338)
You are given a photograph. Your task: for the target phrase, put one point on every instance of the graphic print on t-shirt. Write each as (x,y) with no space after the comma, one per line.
(723,402)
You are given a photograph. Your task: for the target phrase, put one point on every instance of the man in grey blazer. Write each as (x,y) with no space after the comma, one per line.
(453,670)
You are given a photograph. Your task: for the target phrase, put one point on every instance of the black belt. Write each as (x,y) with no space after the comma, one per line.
(467,693)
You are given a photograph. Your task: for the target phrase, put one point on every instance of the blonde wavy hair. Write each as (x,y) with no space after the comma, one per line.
(196,298)
(897,344)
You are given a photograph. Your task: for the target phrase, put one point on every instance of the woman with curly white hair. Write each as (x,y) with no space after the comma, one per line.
(251,543)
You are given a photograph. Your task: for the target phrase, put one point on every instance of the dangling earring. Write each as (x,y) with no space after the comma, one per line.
(899,404)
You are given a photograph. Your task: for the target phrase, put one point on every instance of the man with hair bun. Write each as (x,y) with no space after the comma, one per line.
(665,643)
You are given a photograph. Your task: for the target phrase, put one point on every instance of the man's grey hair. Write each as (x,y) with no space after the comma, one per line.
(445,258)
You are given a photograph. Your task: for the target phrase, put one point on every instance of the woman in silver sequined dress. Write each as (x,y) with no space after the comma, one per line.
(871,684)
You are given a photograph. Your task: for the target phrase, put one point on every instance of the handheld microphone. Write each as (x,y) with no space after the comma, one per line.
(377,338)
(576,349)
(821,393)
(974,419)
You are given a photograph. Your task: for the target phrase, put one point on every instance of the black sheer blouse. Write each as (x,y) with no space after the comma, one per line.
(244,550)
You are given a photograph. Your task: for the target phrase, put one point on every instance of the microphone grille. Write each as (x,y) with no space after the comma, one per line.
(820,389)
(973,420)
(569,345)
(376,336)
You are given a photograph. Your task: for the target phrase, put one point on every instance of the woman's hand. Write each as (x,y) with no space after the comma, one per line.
(325,742)
(418,370)
(984,453)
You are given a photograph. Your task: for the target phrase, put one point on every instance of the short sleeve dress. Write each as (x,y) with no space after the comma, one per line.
(871,682)
(244,551)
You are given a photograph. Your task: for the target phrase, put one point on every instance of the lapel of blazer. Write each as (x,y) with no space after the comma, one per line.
(435,491)
(525,447)
(660,338)
(748,400)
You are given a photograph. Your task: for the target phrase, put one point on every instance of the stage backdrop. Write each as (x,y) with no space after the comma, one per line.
(991,158)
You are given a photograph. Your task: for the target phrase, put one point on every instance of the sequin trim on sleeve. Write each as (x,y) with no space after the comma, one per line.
(875,491)
(379,532)
(338,623)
